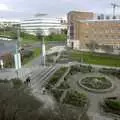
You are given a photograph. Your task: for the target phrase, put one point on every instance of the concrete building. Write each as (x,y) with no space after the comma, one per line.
(40,25)
(8,22)
(87,29)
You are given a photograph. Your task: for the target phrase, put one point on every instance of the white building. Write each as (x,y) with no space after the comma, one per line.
(40,25)
(8,22)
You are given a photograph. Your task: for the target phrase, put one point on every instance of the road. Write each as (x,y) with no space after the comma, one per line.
(7,46)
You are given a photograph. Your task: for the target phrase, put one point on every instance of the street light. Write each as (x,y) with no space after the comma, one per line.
(42,33)
(43,49)
(17,56)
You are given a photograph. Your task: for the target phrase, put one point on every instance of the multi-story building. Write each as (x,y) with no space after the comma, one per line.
(43,25)
(8,22)
(86,28)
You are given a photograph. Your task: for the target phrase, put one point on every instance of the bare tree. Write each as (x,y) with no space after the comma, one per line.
(92,45)
(107,48)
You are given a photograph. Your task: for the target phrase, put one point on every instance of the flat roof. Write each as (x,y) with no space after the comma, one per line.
(9,20)
(101,20)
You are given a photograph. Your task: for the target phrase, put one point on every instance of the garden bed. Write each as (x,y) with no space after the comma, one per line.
(96,82)
(75,98)
(63,85)
(114,72)
(55,78)
(112,105)
(57,93)
(80,68)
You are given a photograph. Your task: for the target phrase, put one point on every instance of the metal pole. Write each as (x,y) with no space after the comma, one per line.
(18,38)
(17,48)
(43,51)
(114,7)
(4,31)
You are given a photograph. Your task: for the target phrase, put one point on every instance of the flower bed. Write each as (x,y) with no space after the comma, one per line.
(64,85)
(96,82)
(112,105)
(80,68)
(55,78)
(57,94)
(75,98)
(113,72)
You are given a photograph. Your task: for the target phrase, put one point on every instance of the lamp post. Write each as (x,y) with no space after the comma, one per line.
(43,38)
(43,51)
(17,56)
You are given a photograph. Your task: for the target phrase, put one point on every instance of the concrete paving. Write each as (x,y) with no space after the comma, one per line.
(95,98)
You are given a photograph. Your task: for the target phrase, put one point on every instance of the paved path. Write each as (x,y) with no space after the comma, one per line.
(95,98)
(22,73)
(39,79)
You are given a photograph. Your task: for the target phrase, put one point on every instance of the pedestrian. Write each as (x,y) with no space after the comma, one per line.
(27,81)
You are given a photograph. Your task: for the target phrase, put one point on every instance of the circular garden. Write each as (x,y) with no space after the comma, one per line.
(96,84)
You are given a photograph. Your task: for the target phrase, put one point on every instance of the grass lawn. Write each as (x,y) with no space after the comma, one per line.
(96,58)
(28,38)
(36,53)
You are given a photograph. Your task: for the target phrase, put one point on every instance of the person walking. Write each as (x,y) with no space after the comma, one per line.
(28,80)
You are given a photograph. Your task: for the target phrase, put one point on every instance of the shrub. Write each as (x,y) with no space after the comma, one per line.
(26,55)
(56,37)
(16,83)
(80,68)
(4,81)
(64,85)
(55,78)
(57,94)
(75,98)
(8,60)
(113,72)
(113,104)
(17,105)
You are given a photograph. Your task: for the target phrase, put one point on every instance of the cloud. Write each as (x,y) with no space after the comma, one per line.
(4,7)
(66,1)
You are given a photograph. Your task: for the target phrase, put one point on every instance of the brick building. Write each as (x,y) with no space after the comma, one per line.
(86,29)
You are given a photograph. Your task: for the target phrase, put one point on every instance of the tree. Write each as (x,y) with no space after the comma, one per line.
(8,59)
(53,31)
(107,48)
(64,31)
(39,34)
(92,45)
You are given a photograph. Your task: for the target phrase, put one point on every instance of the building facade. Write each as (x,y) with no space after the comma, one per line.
(44,26)
(87,30)
(8,22)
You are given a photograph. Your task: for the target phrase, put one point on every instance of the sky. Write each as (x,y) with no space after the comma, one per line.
(54,8)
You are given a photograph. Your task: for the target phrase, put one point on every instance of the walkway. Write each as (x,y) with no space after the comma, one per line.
(95,98)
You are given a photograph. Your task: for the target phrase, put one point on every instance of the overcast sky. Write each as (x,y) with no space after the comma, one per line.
(54,8)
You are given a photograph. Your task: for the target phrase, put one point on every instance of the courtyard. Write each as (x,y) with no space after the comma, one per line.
(96,83)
